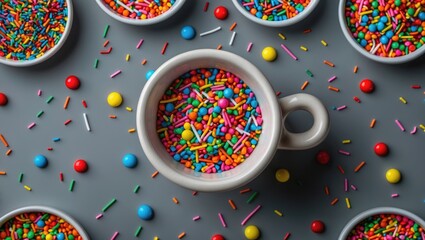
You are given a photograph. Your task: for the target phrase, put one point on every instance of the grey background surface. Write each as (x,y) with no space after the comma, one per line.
(301,200)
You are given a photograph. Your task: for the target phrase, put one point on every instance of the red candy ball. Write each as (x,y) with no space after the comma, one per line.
(72,82)
(217,237)
(367,86)
(317,226)
(3,99)
(221,12)
(381,149)
(323,157)
(81,166)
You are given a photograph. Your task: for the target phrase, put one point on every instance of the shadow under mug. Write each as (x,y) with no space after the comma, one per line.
(274,112)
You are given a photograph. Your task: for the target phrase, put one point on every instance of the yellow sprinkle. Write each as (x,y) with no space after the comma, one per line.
(403,100)
(27,188)
(417,12)
(198,147)
(347,201)
(169,100)
(127,57)
(131,130)
(282,36)
(237,105)
(324,43)
(155,238)
(166,118)
(197,156)
(180,104)
(346,141)
(278,213)
(129,109)
(303,48)
(386,29)
(161,130)
(406,37)
(205,86)
(422,126)
(388,230)
(366,12)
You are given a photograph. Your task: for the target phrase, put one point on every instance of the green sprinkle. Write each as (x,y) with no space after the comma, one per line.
(136,189)
(110,203)
(45,216)
(71,185)
(180,83)
(40,113)
(21,176)
(139,229)
(105,32)
(49,99)
(309,73)
(96,63)
(252,197)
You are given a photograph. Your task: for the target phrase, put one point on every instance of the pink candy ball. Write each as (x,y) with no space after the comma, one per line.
(223,103)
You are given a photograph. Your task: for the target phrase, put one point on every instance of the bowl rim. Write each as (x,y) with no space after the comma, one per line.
(396,60)
(284,23)
(150,21)
(40,208)
(187,181)
(378,210)
(50,52)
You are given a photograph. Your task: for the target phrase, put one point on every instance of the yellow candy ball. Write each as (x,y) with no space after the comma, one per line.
(252,232)
(393,175)
(49,237)
(269,54)
(282,175)
(114,99)
(186,126)
(187,135)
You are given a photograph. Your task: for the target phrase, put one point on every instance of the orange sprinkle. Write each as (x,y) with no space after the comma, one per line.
(330,64)
(326,190)
(8,152)
(245,190)
(181,235)
(372,123)
(359,166)
(65,105)
(355,69)
(144,61)
(219,47)
(175,200)
(2,173)
(334,201)
(233,26)
(232,204)
(106,43)
(155,174)
(112,116)
(333,89)
(304,85)
(3,140)
(341,169)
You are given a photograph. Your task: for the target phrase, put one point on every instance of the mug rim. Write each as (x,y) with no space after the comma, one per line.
(39,208)
(374,211)
(183,179)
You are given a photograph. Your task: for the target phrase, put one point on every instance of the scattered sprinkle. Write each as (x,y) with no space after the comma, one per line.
(27,188)
(256,209)
(232,204)
(71,185)
(252,197)
(116,73)
(347,201)
(282,36)
(359,166)
(109,204)
(233,26)
(372,123)
(289,52)
(400,125)
(137,233)
(402,100)
(223,222)
(210,31)
(324,43)
(105,31)
(305,84)
(278,213)
(232,39)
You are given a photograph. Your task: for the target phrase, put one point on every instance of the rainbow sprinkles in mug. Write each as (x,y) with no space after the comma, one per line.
(209,120)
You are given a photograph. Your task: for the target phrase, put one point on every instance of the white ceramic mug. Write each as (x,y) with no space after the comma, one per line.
(274,112)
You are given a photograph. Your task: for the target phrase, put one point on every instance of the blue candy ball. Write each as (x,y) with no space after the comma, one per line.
(421,16)
(384,40)
(145,212)
(384,19)
(40,161)
(372,27)
(188,32)
(380,26)
(228,93)
(40,223)
(202,111)
(149,74)
(60,236)
(169,107)
(129,160)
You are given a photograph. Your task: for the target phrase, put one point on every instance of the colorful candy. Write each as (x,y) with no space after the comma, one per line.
(323,157)
(367,86)
(252,232)
(269,54)
(274,10)
(140,10)
(221,12)
(391,28)
(387,226)
(145,212)
(282,175)
(38,225)
(72,82)
(40,161)
(114,99)
(3,99)
(28,29)
(188,32)
(381,149)
(393,175)
(129,160)
(209,120)
(81,166)
(317,226)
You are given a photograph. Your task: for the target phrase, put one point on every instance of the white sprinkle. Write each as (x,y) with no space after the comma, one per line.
(124,6)
(232,39)
(196,133)
(86,120)
(210,31)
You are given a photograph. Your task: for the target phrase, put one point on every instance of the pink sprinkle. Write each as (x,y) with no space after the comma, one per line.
(99,216)
(287,236)
(140,43)
(414,130)
(115,74)
(39,92)
(353,187)
(31,125)
(248,49)
(394,195)
(250,215)
(115,235)
(67,122)
(400,125)
(332,79)
(222,220)
(344,152)
(196,218)
(289,52)
(341,108)
(346,185)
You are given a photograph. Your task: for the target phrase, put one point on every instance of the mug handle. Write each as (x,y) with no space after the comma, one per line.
(312,137)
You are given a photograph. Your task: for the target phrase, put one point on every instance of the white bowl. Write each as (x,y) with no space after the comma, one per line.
(51,51)
(150,21)
(284,23)
(374,211)
(364,52)
(49,210)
